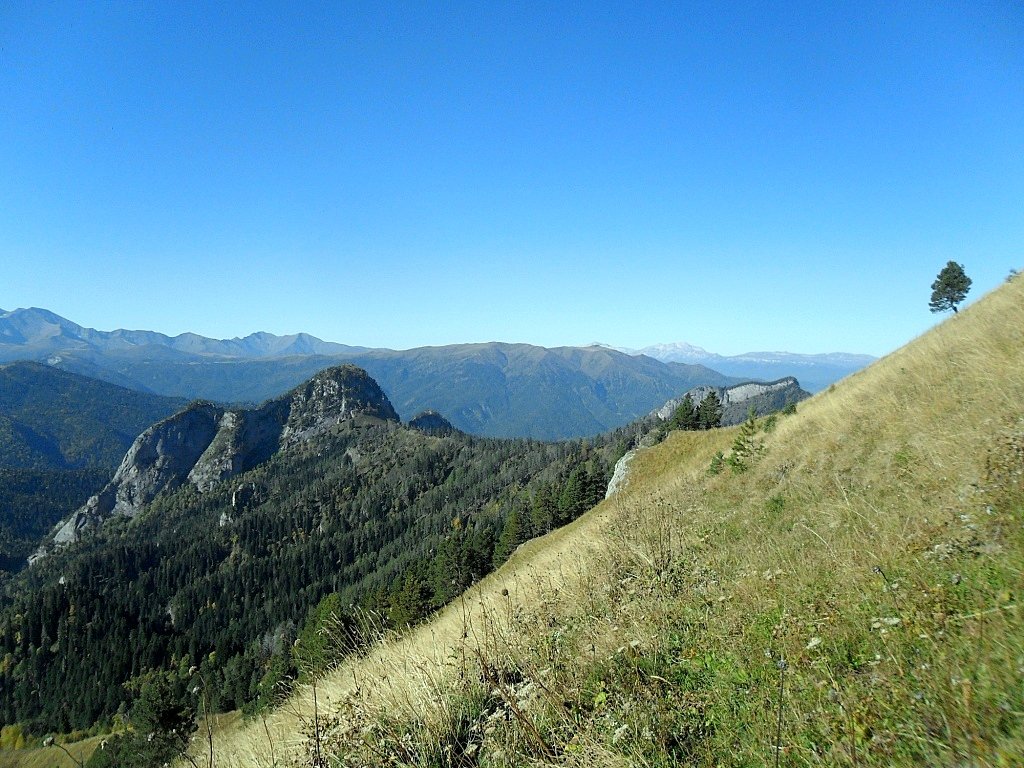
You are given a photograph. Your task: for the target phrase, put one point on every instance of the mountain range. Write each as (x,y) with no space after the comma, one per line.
(815,372)
(492,389)
(38,330)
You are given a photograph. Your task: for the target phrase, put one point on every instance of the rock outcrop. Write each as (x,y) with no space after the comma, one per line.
(619,474)
(244,439)
(159,459)
(205,443)
(737,400)
(330,398)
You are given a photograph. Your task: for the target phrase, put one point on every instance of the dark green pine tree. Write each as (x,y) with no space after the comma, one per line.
(512,535)
(709,412)
(543,509)
(163,719)
(684,416)
(409,602)
(950,288)
(571,500)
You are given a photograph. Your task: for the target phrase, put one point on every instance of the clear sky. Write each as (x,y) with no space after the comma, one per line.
(742,176)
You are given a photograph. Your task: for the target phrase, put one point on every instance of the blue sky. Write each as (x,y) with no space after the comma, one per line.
(736,175)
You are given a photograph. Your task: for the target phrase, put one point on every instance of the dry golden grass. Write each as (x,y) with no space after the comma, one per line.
(867,565)
(51,757)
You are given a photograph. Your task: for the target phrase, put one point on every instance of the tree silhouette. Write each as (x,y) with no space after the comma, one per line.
(949,288)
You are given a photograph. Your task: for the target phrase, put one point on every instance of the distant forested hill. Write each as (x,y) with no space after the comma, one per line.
(492,389)
(61,436)
(54,419)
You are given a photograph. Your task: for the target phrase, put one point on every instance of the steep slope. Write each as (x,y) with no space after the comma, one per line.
(61,436)
(851,598)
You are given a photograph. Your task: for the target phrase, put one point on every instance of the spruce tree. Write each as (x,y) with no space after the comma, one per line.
(709,412)
(745,446)
(685,416)
(950,288)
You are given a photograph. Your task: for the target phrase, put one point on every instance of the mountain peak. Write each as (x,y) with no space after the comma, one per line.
(431,422)
(331,397)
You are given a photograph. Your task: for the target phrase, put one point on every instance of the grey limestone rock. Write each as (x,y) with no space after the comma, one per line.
(330,398)
(205,444)
(160,458)
(619,474)
(736,400)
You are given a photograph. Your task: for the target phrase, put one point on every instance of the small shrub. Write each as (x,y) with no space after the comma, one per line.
(717,464)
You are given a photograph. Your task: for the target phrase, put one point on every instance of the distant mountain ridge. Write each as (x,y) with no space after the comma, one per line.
(815,371)
(43,331)
(491,389)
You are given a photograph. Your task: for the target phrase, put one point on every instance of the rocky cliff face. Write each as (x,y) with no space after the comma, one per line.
(330,398)
(243,440)
(205,444)
(737,400)
(160,458)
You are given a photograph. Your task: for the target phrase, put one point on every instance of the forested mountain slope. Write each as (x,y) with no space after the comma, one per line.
(61,436)
(513,390)
(844,592)
(496,390)
(224,567)
(54,419)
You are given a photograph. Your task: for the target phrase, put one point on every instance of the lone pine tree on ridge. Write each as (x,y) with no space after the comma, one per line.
(950,288)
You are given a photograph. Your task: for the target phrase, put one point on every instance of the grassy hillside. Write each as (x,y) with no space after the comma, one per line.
(849,599)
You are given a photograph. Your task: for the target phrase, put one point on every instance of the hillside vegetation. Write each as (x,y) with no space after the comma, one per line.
(846,593)
(52,419)
(226,580)
(61,435)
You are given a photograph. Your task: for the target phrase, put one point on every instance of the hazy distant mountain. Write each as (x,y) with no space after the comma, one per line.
(815,372)
(39,330)
(492,389)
